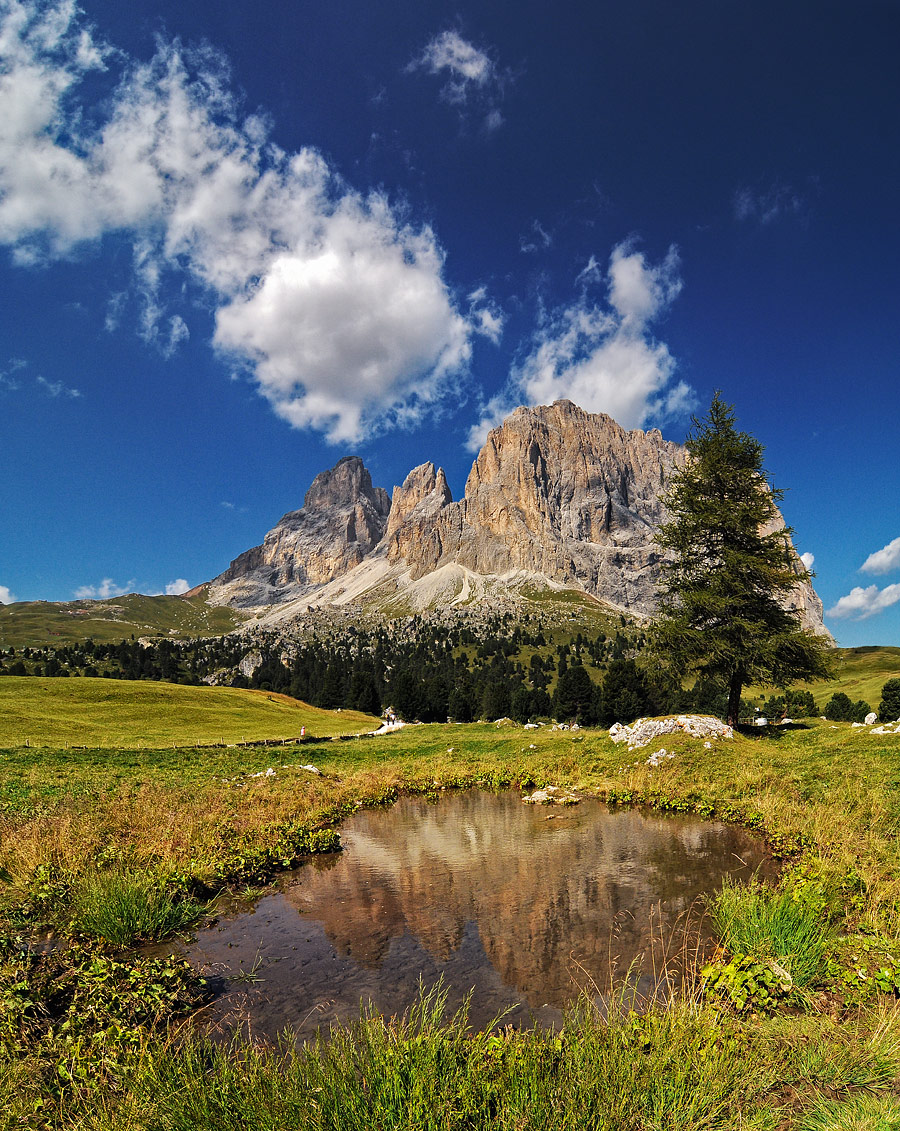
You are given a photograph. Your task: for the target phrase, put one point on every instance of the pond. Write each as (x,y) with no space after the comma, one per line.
(523,905)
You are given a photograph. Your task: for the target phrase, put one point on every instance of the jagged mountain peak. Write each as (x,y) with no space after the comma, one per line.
(556,493)
(344,485)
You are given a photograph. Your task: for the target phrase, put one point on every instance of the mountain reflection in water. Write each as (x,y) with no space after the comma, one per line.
(521,904)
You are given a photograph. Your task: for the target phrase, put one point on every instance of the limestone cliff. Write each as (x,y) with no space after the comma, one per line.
(556,491)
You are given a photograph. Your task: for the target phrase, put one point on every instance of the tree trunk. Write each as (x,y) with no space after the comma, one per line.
(735,688)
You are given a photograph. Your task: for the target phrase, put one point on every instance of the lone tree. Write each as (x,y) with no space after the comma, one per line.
(729,567)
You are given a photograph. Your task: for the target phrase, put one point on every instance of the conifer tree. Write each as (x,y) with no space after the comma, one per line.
(727,571)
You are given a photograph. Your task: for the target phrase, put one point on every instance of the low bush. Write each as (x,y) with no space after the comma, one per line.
(841,709)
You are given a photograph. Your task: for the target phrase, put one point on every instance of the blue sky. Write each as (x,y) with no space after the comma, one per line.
(238,242)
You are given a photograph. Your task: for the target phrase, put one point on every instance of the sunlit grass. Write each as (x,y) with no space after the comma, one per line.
(118,713)
(770,924)
(184,815)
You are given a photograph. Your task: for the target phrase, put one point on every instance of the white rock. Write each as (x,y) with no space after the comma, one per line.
(644,731)
(870,718)
(552,795)
(250,663)
(311,769)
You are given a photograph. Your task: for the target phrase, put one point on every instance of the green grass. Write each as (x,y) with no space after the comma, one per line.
(54,623)
(197,817)
(110,712)
(121,906)
(758,921)
(862,1113)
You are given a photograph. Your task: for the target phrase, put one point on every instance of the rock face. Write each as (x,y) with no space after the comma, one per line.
(343,518)
(555,491)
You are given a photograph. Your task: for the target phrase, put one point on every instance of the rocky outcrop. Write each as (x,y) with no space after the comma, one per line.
(556,492)
(343,518)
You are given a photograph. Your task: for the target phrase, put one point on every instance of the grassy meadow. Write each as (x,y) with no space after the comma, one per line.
(795,1025)
(40,711)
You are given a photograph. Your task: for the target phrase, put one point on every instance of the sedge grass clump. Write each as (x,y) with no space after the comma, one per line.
(121,906)
(778,944)
(859,1113)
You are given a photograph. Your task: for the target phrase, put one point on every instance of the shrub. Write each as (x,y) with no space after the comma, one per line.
(840,709)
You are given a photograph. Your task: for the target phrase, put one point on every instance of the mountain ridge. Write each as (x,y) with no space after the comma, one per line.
(556,496)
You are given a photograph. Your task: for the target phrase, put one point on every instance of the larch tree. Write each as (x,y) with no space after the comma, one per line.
(728,568)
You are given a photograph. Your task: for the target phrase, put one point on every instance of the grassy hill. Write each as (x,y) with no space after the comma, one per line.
(40,623)
(111,712)
(861,674)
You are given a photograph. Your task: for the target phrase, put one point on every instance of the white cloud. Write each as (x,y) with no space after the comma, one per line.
(57,388)
(6,598)
(536,239)
(765,206)
(7,379)
(861,603)
(472,78)
(603,357)
(106,588)
(883,560)
(176,588)
(468,65)
(331,300)
(485,316)
(808,559)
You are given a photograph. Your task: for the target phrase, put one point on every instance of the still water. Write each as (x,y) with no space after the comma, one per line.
(522,905)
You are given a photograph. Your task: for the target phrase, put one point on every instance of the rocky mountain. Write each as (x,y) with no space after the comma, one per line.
(343,518)
(557,497)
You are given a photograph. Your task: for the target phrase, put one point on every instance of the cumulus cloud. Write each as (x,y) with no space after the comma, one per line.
(884,560)
(176,588)
(861,603)
(6,597)
(603,356)
(471,76)
(808,559)
(106,588)
(331,300)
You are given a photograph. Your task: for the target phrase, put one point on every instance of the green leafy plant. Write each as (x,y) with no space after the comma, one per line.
(748,983)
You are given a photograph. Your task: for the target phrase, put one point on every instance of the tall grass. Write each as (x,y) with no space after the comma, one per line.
(768,923)
(676,1070)
(122,907)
